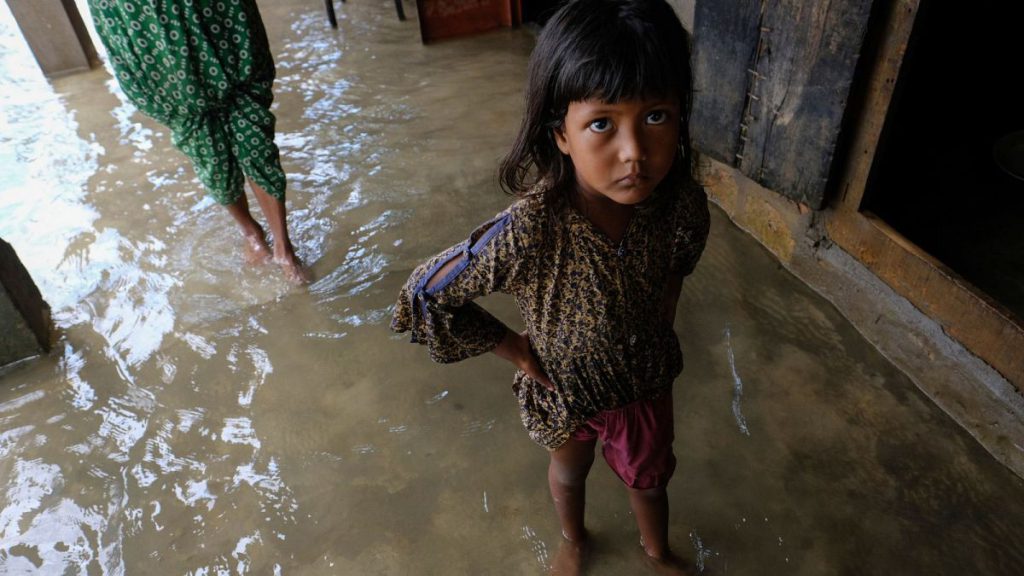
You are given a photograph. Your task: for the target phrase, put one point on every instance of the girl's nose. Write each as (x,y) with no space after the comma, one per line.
(631,148)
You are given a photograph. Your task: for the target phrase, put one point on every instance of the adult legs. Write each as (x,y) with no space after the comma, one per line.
(284,253)
(256,251)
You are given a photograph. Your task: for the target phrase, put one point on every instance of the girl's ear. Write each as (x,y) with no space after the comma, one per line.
(560,139)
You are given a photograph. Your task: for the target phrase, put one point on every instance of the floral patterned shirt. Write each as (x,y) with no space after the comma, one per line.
(593,308)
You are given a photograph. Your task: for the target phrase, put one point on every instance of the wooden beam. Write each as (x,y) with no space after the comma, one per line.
(885,48)
(983,326)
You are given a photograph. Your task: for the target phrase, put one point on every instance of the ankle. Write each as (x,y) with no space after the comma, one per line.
(283,248)
(253,231)
(669,563)
(656,553)
(580,536)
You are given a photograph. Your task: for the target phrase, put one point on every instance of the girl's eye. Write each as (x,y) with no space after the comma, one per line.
(600,125)
(657,117)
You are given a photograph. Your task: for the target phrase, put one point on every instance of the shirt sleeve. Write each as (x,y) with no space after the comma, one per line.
(692,225)
(444,317)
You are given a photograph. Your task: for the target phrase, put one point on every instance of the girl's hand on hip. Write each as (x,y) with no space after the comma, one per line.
(516,349)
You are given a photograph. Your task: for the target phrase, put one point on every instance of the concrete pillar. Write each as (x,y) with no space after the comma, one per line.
(57,35)
(25,326)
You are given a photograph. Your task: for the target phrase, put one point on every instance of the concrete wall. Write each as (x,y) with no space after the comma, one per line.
(57,35)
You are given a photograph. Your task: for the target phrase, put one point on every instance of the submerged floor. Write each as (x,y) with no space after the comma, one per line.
(208,418)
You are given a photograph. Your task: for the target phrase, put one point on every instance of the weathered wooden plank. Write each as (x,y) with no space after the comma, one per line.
(725,37)
(982,325)
(772,82)
(895,24)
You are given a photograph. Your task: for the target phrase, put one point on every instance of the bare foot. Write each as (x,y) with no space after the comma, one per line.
(570,558)
(256,251)
(293,269)
(671,565)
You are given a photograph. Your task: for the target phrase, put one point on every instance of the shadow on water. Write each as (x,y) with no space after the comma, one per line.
(210,418)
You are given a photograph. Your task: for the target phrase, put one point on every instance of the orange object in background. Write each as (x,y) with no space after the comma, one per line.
(441,19)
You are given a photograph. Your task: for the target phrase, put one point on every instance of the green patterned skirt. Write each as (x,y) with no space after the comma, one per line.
(203,68)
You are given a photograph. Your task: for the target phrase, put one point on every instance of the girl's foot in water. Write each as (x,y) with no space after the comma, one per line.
(571,557)
(671,565)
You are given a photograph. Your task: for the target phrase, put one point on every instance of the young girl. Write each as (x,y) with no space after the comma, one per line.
(608,222)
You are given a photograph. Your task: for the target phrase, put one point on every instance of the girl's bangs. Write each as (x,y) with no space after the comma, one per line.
(624,68)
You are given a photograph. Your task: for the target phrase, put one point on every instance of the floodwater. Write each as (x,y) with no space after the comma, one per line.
(200,417)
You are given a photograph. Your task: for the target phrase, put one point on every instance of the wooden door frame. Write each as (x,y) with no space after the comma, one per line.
(986,328)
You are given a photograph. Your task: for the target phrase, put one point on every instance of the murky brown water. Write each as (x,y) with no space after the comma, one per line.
(198,417)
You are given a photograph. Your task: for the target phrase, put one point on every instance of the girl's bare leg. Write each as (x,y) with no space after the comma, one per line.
(567,478)
(651,510)
(256,251)
(284,254)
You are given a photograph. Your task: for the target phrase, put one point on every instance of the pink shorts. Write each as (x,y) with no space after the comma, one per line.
(636,441)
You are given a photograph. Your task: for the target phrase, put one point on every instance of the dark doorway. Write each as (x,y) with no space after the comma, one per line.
(935,178)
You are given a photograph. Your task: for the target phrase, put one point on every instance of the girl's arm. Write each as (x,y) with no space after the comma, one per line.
(437,302)
(693,223)
(443,272)
(671,298)
(516,349)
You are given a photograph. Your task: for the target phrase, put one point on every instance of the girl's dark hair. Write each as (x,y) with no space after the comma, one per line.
(605,49)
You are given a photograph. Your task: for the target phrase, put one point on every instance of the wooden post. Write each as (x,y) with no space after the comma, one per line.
(25,326)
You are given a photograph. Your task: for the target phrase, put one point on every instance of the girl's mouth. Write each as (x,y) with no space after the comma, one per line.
(631,179)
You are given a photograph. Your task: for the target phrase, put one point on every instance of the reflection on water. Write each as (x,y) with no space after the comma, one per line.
(211,418)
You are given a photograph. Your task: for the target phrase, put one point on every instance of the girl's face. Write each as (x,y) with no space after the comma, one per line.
(621,151)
